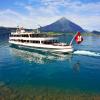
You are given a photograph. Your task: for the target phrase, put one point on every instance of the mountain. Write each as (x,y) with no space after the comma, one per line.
(62,25)
(96,32)
(4,30)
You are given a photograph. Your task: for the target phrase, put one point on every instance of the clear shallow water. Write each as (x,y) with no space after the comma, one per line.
(35,72)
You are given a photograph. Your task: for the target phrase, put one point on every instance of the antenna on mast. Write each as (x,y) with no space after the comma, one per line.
(38,29)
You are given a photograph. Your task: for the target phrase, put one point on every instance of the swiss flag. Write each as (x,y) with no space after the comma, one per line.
(78,38)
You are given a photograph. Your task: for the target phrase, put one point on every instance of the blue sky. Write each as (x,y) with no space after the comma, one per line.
(31,13)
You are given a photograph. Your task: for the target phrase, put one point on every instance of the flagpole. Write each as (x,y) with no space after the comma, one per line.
(73,39)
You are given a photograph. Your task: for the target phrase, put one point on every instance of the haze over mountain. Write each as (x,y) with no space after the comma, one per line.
(62,25)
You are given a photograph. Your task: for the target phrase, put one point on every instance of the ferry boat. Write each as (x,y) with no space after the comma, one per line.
(38,40)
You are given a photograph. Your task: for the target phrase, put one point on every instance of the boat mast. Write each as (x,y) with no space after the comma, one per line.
(72,39)
(38,29)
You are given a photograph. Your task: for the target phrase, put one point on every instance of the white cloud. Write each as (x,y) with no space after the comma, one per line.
(13,19)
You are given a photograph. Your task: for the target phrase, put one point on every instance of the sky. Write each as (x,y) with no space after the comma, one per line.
(32,13)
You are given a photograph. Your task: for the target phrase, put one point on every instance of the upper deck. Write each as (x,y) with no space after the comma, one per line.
(34,33)
(25,35)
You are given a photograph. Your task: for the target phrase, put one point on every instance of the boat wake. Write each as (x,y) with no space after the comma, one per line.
(86,53)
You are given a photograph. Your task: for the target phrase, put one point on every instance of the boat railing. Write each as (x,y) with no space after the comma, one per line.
(60,44)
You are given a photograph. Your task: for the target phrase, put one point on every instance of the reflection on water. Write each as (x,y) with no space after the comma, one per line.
(76,67)
(40,57)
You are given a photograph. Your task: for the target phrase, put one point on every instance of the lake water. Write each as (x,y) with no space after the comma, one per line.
(36,75)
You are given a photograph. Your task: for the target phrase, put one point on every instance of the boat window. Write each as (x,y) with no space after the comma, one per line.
(27,41)
(25,35)
(13,35)
(50,42)
(38,35)
(32,35)
(35,41)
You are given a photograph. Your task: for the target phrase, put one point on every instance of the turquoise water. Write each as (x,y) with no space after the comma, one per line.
(78,72)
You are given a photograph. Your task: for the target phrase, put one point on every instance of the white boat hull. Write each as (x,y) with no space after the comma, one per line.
(46,47)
